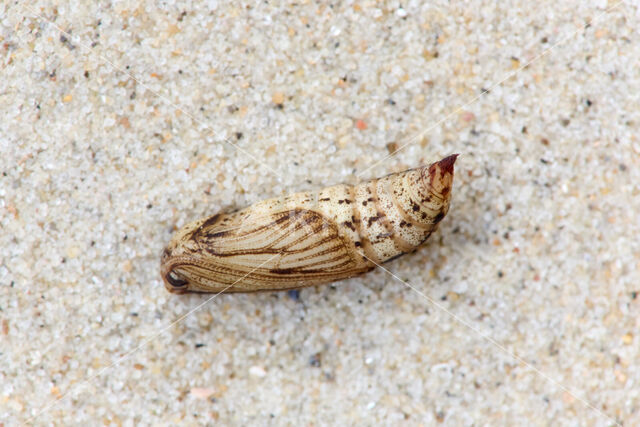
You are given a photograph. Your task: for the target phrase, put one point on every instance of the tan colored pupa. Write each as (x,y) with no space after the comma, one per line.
(310,238)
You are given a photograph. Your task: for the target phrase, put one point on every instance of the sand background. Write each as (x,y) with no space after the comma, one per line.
(141,117)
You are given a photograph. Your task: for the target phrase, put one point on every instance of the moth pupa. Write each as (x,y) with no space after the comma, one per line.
(310,238)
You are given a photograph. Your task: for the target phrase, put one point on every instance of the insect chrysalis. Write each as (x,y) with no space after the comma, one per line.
(310,238)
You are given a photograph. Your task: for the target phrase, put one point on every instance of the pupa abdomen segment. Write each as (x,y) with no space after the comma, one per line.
(310,238)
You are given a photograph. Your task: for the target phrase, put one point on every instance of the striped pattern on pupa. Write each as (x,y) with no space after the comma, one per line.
(310,238)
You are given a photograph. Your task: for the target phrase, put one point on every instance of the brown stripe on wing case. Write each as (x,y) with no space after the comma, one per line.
(282,226)
(331,260)
(301,219)
(205,235)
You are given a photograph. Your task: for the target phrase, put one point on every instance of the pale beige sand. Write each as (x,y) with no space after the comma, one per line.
(114,135)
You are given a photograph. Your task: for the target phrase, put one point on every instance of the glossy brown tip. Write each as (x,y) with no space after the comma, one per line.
(173,282)
(446,164)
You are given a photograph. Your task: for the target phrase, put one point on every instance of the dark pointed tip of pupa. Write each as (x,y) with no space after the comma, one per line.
(446,164)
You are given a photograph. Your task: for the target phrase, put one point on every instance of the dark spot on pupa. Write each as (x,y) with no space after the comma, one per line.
(358,244)
(383,236)
(210,221)
(218,234)
(324,199)
(364,203)
(438,217)
(415,207)
(350,225)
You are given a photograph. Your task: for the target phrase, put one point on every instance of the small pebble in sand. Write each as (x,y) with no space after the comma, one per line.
(201,392)
(278,99)
(257,371)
